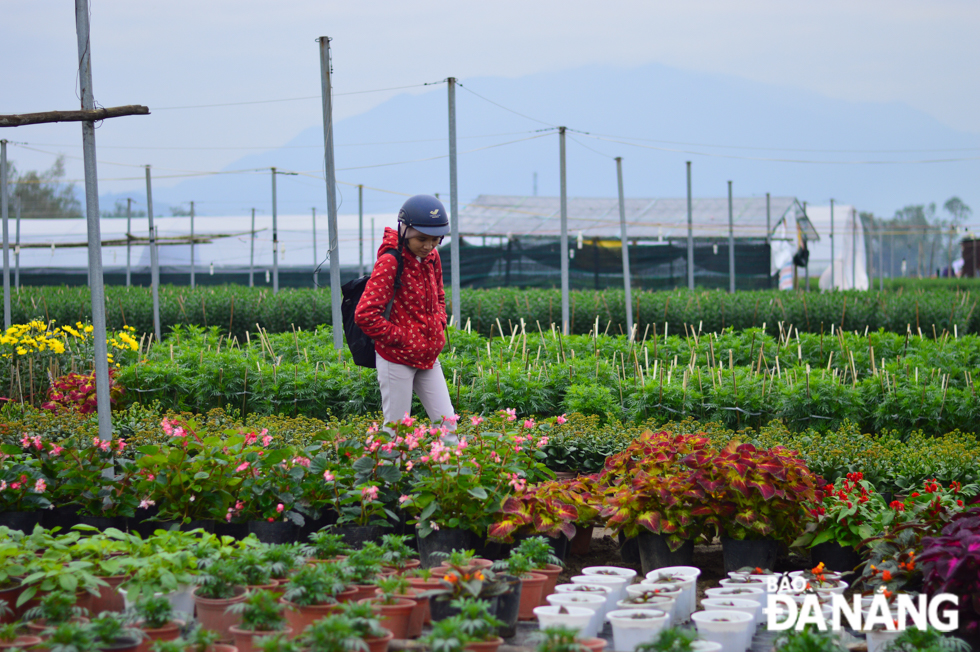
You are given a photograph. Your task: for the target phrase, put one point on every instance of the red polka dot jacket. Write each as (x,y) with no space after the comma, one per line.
(414,334)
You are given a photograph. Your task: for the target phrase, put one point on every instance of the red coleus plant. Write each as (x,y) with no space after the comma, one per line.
(545,508)
(951,564)
(77,391)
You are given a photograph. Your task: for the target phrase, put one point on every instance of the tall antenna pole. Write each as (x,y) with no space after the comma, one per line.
(563,244)
(275,238)
(251,254)
(333,249)
(129,244)
(690,232)
(192,245)
(453,205)
(100,349)
(626,248)
(731,243)
(316,272)
(360,229)
(4,208)
(154,262)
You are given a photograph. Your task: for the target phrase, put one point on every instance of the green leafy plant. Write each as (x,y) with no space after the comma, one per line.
(475,620)
(326,545)
(280,559)
(109,627)
(539,552)
(557,639)
(808,640)
(396,552)
(445,636)
(154,611)
(334,633)
(319,584)
(70,637)
(253,567)
(277,643)
(221,580)
(848,514)
(365,622)
(913,639)
(261,612)
(391,587)
(670,639)
(201,640)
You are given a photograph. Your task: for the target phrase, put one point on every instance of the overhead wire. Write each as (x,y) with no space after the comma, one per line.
(293,99)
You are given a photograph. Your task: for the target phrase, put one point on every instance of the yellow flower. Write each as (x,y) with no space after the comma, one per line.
(89,329)
(21,351)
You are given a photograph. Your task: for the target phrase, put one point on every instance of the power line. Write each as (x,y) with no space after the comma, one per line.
(292,99)
(487,99)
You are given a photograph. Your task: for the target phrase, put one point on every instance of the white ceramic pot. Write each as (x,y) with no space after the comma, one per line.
(594,601)
(879,640)
(661,603)
(591,589)
(615,582)
(669,591)
(181,601)
(577,618)
(688,585)
(692,571)
(740,592)
(753,581)
(730,628)
(750,607)
(628,573)
(634,627)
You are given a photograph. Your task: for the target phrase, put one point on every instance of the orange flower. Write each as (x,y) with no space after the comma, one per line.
(478,575)
(450,578)
(886,576)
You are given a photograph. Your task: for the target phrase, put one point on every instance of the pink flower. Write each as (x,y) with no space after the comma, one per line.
(404,499)
(462,445)
(453,419)
(542,442)
(239,506)
(511,414)
(56,451)
(180,432)
(302,461)
(266,440)
(3,485)
(25,441)
(373,429)
(433,431)
(369,493)
(280,507)
(242,467)
(40,486)
(433,525)
(15,485)
(408,420)
(121,445)
(37,442)
(105,445)
(529,423)
(167,428)
(328,476)
(424,459)
(251,438)
(95,441)
(146,503)
(228,515)
(560,419)
(476,420)
(150,477)
(409,466)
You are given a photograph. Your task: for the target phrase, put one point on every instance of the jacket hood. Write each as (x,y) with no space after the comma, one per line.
(388,241)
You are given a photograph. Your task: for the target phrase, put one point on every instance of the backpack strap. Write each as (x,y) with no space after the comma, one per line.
(398,279)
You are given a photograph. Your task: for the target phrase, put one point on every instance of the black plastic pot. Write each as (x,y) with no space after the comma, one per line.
(23,521)
(63,516)
(441,609)
(559,545)
(274,532)
(655,553)
(313,525)
(445,540)
(141,523)
(103,523)
(357,535)
(120,644)
(754,553)
(235,530)
(835,557)
(629,550)
(506,607)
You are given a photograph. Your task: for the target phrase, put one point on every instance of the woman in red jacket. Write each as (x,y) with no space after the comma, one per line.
(408,341)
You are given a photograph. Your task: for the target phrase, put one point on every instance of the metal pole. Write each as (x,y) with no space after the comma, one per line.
(360,229)
(731,243)
(251,255)
(626,249)
(454,206)
(129,245)
(690,232)
(275,238)
(769,235)
(192,245)
(154,262)
(881,248)
(100,351)
(854,235)
(334,248)
(4,208)
(563,244)
(316,273)
(17,246)
(833,263)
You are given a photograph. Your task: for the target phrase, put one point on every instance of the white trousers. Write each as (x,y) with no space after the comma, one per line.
(399,381)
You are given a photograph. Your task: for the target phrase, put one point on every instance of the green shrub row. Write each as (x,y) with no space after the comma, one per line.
(236,309)
(894,461)
(880,381)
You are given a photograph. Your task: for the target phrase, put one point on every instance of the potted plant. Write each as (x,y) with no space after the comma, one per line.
(478,625)
(445,636)
(808,640)
(255,571)
(108,552)
(54,572)
(657,490)
(163,564)
(950,563)
(595,603)
(366,625)
(396,554)
(269,491)
(201,639)
(395,611)
(69,637)
(155,616)
(54,609)
(259,615)
(12,636)
(848,515)
(461,580)
(422,581)
(313,592)
(281,560)
(110,633)
(577,619)
(558,639)
(676,639)
(333,633)
(24,497)
(519,566)
(326,546)
(364,567)
(543,561)
(544,508)
(220,585)
(723,626)
(276,643)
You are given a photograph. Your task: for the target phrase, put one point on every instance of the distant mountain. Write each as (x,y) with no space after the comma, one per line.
(652,102)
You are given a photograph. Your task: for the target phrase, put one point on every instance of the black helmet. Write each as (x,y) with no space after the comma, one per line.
(425,214)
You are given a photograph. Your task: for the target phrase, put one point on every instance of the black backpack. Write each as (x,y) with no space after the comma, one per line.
(361,346)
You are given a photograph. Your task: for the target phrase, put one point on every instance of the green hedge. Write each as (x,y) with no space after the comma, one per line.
(881,381)
(236,309)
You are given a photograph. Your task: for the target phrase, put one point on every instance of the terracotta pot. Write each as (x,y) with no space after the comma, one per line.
(244,637)
(362,591)
(10,595)
(477,563)
(39,627)
(109,598)
(485,646)
(417,619)
(212,614)
(21,642)
(582,542)
(299,617)
(551,572)
(120,644)
(420,585)
(531,585)
(168,632)
(410,564)
(379,644)
(394,617)
(272,586)
(593,644)
(222,647)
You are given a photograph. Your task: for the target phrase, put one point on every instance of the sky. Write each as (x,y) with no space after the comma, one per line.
(183,53)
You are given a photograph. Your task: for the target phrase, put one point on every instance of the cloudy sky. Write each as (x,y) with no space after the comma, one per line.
(189,53)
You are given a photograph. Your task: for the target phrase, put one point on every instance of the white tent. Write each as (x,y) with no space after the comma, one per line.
(850,260)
